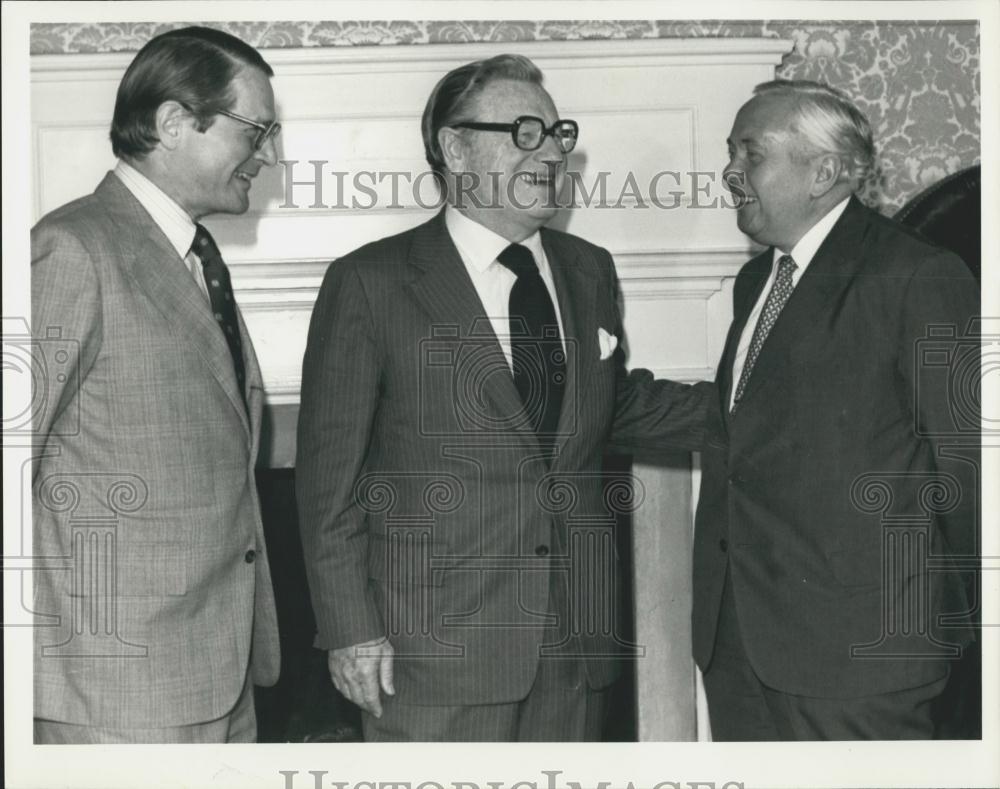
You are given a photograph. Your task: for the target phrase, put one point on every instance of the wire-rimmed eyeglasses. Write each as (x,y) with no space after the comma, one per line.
(529,131)
(265,132)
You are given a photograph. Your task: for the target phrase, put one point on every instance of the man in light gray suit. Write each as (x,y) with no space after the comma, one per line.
(156,615)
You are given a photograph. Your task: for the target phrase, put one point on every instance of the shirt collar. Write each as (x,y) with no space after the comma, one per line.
(173,220)
(804,251)
(480,246)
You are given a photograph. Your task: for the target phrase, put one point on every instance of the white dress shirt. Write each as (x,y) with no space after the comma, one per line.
(802,253)
(173,220)
(478,247)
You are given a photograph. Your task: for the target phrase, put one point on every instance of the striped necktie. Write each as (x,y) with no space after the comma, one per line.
(780,291)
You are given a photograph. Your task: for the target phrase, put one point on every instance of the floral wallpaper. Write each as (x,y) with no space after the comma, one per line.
(917,81)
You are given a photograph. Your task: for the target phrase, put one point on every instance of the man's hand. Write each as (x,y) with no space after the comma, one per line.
(358,671)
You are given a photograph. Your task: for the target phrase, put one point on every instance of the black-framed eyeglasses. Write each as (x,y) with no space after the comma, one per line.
(265,131)
(529,132)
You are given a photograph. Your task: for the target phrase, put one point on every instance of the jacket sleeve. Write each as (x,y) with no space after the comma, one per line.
(66,331)
(340,395)
(654,415)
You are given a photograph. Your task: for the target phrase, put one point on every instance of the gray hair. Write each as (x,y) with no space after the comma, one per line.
(828,122)
(454,94)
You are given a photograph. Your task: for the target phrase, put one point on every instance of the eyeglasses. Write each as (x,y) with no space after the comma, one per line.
(265,132)
(529,132)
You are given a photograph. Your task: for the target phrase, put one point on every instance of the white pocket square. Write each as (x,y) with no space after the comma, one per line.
(607,343)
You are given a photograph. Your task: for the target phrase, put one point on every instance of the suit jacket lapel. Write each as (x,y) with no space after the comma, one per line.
(153,263)
(817,293)
(576,292)
(446,293)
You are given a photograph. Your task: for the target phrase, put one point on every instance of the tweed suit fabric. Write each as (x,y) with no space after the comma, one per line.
(144,431)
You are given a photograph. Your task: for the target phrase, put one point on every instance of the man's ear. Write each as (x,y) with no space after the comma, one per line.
(828,172)
(172,122)
(452,149)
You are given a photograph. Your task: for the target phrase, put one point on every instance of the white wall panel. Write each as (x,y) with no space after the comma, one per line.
(644,107)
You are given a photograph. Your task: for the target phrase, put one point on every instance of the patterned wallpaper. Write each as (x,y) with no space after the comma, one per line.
(917,81)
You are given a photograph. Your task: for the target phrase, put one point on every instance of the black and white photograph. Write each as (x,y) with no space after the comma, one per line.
(517,395)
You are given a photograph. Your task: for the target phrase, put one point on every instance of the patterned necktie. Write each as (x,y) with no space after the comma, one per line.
(220,293)
(780,291)
(536,348)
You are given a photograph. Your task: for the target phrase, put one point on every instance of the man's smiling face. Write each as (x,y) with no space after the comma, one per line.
(214,169)
(770,174)
(511,191)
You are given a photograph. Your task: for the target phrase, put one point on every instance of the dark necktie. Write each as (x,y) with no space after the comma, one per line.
(780,291)
(536,347)
(220,293)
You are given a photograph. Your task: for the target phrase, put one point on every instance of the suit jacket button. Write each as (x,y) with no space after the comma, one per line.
(250,556)
(542,550)
(723,545)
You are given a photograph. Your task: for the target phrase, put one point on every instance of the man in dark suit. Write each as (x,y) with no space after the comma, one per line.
(159,616)
(824,490)
(460,384)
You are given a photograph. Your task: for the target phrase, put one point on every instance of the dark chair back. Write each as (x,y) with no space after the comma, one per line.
(948,213)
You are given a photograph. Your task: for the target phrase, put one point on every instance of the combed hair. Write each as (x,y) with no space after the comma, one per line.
(193,66)
(454,94)
(828,122)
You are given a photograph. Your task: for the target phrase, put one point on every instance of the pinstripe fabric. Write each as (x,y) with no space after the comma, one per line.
(560,705)
(427,511)
(147,465)
(553,711)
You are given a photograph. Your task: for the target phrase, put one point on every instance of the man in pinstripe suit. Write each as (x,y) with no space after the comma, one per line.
(460,385)
(156,616)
